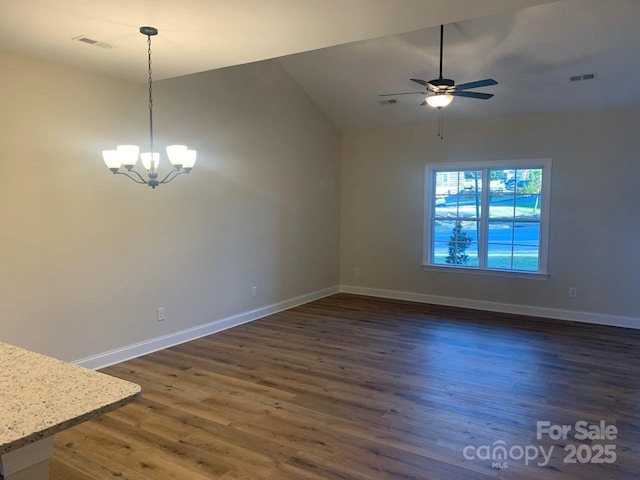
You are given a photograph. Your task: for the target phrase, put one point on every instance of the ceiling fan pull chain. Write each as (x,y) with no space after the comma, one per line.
(441,124)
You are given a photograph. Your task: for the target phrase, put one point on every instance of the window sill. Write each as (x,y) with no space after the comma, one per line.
(487,272)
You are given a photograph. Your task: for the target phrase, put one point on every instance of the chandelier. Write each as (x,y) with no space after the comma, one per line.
(181,157)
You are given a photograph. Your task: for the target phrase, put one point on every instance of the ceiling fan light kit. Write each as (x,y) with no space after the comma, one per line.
(439,100)
(181,157)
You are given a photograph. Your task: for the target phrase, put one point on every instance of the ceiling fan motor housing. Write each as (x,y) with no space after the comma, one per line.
(442,83)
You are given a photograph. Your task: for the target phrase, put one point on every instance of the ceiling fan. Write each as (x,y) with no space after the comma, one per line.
(440,91)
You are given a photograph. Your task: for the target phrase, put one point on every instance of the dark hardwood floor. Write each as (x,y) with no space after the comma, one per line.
(351,387)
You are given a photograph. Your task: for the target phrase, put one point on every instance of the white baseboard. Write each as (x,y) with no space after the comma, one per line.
(128,352)
(555,313)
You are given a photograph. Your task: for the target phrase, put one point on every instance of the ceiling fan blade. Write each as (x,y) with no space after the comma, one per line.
(424,102)
(478,95)
(419,81)
(403,93)
(480,83)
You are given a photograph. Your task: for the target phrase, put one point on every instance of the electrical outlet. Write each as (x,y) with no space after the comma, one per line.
(356,272)
(254,291)
(573,292)
(161,314)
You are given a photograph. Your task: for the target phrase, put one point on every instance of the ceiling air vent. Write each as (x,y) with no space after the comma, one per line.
(391,101)
(586,76)
(95,43)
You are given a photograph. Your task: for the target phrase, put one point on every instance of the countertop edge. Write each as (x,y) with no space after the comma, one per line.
(72,422)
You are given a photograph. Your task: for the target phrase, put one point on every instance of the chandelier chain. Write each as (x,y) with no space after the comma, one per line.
(150,94)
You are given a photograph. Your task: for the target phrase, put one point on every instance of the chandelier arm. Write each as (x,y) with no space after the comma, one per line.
(175,172)
(172,172)
(142,181)
(139,176)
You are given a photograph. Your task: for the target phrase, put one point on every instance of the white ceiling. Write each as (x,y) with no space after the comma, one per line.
(357,49)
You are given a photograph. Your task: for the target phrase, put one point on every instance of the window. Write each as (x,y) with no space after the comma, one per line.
(491,216)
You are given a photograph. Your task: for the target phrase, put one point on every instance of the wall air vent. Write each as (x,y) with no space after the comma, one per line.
(95,43)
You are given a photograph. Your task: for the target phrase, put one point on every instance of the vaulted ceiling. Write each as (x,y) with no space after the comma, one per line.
(532,52)
(345,53)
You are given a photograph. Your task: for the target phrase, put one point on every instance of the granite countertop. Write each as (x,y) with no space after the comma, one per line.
(40,396)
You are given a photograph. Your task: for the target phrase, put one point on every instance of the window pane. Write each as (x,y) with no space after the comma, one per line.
(472,180)
(449,183)
(458,194)
(497,179)
(500,232)
(442,230)
(455,243)
(499,255)
(469,204)
(501,204)
(525,257)
(528,206)
(526,233)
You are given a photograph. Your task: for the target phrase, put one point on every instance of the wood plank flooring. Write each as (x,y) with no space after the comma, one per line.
(352,387)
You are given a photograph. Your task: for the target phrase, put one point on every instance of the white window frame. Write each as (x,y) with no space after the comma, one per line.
(429,212)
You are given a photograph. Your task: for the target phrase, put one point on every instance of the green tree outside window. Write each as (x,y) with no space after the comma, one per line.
(458,244)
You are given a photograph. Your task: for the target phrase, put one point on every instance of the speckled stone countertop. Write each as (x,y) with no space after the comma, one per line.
(40,396)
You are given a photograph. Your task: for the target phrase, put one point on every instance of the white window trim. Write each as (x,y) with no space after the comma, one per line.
(545,198)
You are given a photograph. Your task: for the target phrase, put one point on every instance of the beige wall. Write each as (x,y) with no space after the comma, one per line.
(595,203)
(88,257)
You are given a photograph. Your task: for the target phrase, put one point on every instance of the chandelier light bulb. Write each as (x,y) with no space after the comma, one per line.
(146,160)
(189,159)
(112,159)
(176,154)
(128,155)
